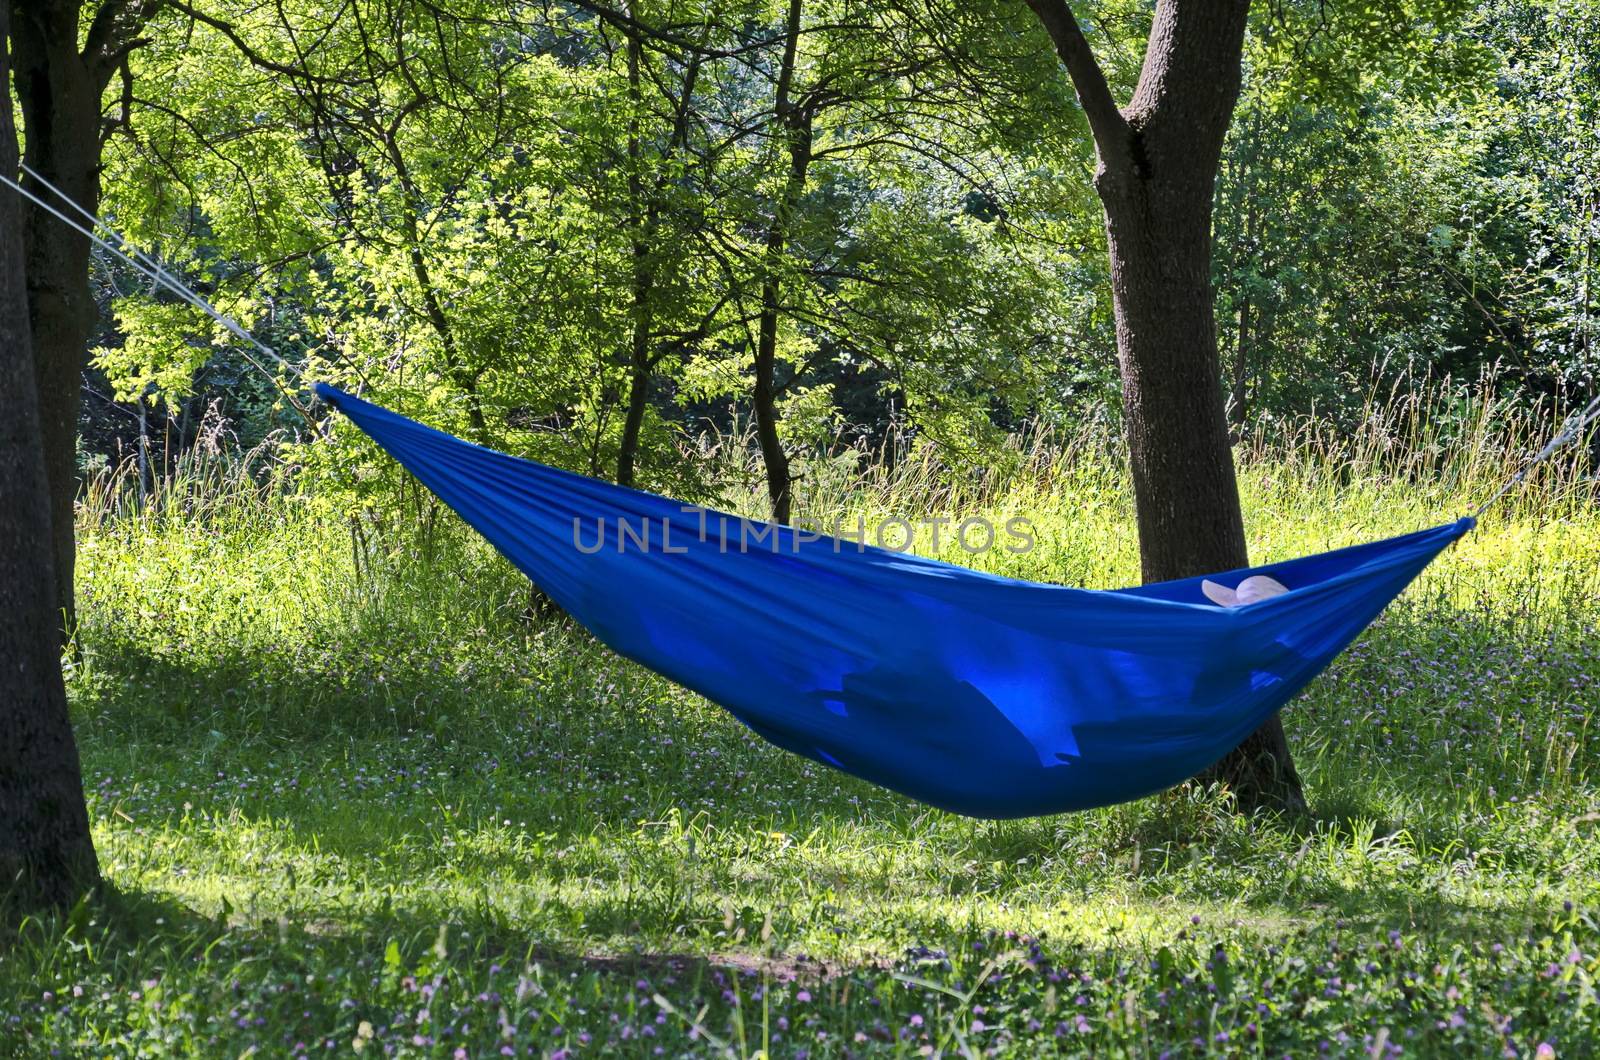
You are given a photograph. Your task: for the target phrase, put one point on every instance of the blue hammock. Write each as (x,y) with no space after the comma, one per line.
(974,693)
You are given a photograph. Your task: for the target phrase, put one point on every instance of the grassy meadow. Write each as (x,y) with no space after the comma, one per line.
(354,798)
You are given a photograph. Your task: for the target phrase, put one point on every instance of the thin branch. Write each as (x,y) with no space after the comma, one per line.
(1105,120)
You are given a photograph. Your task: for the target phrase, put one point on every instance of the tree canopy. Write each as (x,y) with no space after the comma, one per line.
(571,229)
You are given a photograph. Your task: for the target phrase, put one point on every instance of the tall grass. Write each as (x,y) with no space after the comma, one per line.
(224,527)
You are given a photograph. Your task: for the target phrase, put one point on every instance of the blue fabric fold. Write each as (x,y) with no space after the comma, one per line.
(978,694)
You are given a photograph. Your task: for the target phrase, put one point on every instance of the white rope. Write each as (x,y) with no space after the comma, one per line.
(1567,434)
(113,243)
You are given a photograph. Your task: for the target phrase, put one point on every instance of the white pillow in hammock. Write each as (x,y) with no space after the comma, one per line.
(1252,590)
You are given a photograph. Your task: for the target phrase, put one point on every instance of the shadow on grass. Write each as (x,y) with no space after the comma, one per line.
(391,737)
(110,971)
(165,697)
(125,924)
(278,712)
(136,931)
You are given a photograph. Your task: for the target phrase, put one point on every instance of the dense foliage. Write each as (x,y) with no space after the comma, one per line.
(584,233)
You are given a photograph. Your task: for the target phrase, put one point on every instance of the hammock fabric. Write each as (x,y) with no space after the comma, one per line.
(978,694)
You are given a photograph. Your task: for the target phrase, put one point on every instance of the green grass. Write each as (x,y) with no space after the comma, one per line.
(350,799)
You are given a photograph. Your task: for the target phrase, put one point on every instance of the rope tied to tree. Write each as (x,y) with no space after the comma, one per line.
(114,243)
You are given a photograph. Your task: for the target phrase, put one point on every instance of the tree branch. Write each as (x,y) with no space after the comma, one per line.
(102,36)
(1094,95)
(254,57)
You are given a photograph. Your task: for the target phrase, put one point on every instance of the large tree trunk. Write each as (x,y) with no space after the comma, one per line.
(59,90)
(1183,480)
(1185,491)
(46,855)
(1158,161)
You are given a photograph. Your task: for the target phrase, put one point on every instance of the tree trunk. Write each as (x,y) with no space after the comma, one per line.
(644,219)
(1183,481)
(794,127)
(764,400)
(638,398)
(1158,163)
(643,271)
(46,854)
(1185,491)
(59,91)
(1238,400)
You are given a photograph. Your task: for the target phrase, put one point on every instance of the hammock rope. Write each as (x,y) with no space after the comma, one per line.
(1570,432)
(117,245)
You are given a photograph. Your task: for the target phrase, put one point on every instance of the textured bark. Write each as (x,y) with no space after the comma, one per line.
(1187,499)
(633,423)
(1157,169)
(59,90)
(46,855)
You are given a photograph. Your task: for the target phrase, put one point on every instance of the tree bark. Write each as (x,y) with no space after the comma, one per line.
(645,208)
(1156,175)
(643,272)
(59,90)
(794,127)
(46,855)
(633,423)
(1239,398)
(1185,493)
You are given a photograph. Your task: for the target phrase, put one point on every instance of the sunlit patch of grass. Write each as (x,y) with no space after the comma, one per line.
(337,786)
